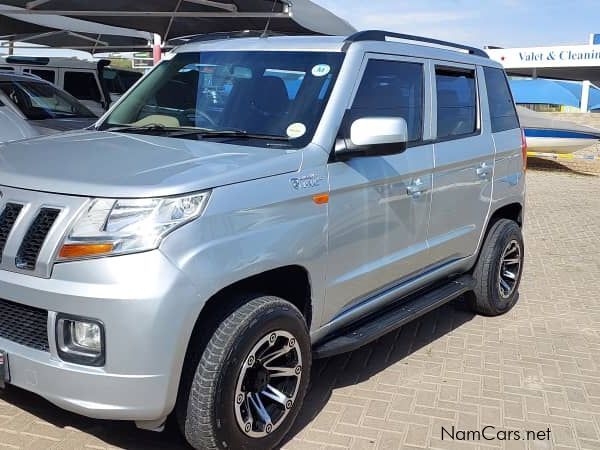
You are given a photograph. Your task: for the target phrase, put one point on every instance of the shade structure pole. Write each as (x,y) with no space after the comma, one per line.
(11,47)
(585,96)
(157,49)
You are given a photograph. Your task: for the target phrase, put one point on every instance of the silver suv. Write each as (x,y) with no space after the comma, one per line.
(250,205)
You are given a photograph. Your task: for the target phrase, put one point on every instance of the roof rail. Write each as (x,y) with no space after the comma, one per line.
(378,35)
(221,35)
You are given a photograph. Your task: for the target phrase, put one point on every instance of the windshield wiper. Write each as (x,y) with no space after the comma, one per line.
(200,132)
(237,134)
(151,127)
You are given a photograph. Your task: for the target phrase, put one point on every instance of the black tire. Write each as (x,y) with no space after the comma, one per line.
(210,422)
(489,297)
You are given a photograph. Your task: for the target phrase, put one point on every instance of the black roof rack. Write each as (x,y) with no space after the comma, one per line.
(378,35)
(33,60)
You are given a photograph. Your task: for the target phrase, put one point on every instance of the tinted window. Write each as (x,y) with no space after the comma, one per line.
(82,85)
(456,102)
(47,75)
(502,108)
(392,89)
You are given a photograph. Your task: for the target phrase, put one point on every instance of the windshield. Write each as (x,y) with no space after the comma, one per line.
(273,94)
(39,101)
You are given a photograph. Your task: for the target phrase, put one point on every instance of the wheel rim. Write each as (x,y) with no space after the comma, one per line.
(510,269)
(268,383)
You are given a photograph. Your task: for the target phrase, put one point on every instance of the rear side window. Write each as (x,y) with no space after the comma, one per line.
(392,89)
(502,107)
(82,85)
(456,102)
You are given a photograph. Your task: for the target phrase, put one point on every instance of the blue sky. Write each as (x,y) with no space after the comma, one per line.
(506,23)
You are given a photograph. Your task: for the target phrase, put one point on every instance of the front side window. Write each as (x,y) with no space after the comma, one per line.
(392,89)
(272,94)
(38,100)
(456,102)
(502,108)
(82,85)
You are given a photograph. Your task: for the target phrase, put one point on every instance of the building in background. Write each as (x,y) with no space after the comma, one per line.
(556,78)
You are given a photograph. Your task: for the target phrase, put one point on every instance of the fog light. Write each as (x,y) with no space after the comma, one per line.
(87,335)
(80,340)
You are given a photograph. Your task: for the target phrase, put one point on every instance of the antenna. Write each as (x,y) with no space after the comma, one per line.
(266,30)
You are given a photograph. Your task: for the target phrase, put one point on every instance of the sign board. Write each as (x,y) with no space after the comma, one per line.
(559,56)
(143,61)
(595,39)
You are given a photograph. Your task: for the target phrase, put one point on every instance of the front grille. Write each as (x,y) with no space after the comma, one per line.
(24,325)
(7,220)
(35,237)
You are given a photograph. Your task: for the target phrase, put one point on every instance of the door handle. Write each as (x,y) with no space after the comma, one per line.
(483,171)
(416,188)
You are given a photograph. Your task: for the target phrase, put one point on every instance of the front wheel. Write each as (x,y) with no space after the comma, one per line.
(497,274)
(252,378)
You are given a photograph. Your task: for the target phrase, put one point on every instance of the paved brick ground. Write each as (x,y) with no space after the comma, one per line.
(536,367)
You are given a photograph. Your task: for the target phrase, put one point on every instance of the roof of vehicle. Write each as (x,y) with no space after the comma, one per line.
(413,46)
(49,62)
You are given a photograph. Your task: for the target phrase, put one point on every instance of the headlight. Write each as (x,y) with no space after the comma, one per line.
(113,227)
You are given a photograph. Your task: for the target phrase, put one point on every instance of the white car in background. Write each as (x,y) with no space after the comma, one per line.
(80,78)
(30,106)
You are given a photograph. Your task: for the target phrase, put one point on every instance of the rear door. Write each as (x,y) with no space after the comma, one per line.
(379,205)
(464,162)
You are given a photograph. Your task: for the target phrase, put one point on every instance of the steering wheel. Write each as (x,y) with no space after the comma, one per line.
(192,114)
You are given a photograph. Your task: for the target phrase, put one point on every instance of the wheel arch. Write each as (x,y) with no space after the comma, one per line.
(291,283)
(511,211)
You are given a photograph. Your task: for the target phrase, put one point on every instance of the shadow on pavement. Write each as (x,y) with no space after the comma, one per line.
(366,362)
(326,376)
(584,167)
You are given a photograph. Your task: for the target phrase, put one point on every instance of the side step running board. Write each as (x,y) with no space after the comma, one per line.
(390,319)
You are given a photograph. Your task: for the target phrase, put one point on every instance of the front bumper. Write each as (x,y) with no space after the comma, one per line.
(148,308)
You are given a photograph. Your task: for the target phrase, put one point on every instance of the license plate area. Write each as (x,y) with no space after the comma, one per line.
(4,370)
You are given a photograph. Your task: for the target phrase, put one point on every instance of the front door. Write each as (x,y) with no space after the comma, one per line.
(379,205)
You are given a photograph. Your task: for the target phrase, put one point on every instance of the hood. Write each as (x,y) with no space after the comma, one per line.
(104,164)
(47,126)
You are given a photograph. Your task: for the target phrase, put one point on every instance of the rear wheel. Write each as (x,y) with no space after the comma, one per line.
(251,380)
(498,271)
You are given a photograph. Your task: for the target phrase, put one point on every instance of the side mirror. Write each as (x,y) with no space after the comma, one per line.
(374,136)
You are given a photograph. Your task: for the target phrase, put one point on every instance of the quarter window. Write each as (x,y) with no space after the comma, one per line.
(502,107)
(456,102)
(392,89)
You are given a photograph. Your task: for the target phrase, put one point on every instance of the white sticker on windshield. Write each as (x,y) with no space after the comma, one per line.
(296,130)
(320,70)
